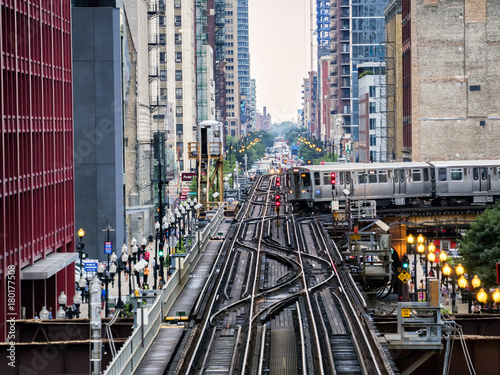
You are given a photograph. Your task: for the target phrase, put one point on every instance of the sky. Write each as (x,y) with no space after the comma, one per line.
(279,54)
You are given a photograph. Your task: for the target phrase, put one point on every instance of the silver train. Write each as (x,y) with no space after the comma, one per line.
(440,183)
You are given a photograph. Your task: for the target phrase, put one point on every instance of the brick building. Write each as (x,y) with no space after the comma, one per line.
(36,152)
(451,106)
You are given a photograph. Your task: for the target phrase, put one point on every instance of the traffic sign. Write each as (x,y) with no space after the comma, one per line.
(355,237)
(405,313)
(404,276)
(91,267)
(108,247)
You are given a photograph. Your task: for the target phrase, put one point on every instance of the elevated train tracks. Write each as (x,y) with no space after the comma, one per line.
(280,303)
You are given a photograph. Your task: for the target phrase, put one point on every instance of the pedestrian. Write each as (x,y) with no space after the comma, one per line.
(146,274)
(446,294)
(412,291)
(421,296)
(50,313)
(85,294)
(35,316)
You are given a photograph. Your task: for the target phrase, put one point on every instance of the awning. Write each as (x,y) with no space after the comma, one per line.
(45,268)
(136,209)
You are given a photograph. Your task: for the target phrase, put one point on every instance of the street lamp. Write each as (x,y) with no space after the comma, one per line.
(62,299)
(453,272)
(80,246)
(77,301)
(157,234)
(107,275)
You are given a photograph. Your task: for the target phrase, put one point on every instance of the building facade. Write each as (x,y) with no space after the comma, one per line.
(37,216)
(451,106)
(263,122)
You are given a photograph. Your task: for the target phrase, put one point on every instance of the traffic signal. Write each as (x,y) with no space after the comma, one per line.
(278,200)
(333,179)
(405,263)
(278,182)
(160,252)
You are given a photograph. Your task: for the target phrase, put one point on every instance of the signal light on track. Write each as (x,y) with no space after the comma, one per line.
(405,263)
(278,203)
(333,179)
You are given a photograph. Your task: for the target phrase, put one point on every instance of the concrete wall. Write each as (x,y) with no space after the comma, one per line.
(455,45)
(97,125)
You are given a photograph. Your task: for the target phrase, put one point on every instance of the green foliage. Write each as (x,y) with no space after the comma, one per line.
(181,247)
(480,246)
(292,136)
(365,73)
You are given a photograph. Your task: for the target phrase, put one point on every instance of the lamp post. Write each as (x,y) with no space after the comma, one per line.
(157,234)
(106,275)
(144,243)
(77,301)
(62,299)
(82,283)
(80,246)
(452,273)
(122,266)
(409,242)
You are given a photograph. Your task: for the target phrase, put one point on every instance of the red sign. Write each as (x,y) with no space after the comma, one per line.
(183,197)
(322,162)
(188,176)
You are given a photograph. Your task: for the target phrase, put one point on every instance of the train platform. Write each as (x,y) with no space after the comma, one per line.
(162,349)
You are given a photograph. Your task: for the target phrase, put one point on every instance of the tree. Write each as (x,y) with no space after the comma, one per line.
(480,246)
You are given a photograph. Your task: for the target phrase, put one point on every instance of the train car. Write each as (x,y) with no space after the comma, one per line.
(466,182)
(396,184)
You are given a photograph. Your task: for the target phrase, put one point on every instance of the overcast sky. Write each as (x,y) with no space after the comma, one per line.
(279,54)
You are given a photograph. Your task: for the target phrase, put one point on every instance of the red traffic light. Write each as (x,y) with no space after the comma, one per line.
(278,203)
(277,197)
(322,162)
(333,180)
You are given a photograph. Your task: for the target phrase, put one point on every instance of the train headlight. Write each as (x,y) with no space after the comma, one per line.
(303,191)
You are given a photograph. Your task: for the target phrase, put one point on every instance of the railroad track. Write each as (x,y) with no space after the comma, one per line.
(279,304)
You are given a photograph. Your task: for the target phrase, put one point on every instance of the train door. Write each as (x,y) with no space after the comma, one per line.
(399,181)
(479,180)
(296,184)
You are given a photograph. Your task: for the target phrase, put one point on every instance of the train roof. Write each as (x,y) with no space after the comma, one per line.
(465,163)
(359,166)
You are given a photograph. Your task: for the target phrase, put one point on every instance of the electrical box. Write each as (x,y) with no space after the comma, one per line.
(210,136)
(433,291)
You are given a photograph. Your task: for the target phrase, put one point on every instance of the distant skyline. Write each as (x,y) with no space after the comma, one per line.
(279,54)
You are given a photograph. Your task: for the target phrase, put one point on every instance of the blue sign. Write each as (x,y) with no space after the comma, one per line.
(91,267)
(108,247)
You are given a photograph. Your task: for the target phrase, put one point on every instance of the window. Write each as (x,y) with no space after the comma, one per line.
(373,92)
(233,133)
(306,179)
(162,21)
(163,57)
(382,177)
(362,178)
(178,38)
(163,75)
(327,179)
(475,88)
(373,123)
(442,174)
(373,107)
(178,93)
(372,177)
(457,174)
(177,21)
(484,174)
(178,57)
(317,180)
(373,140)
(416,175)
(178,111)
(178,129)
(426,174)
(348,178)
(178,75)
(177,4)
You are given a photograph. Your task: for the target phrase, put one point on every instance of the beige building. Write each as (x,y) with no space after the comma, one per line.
(451,55)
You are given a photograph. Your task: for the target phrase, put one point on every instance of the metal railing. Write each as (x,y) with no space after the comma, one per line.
(135,348)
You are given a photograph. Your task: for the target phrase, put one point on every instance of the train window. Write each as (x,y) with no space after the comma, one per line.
(326,179)
(498,172)
(348,178)
(341,178)
(426,174)
(362,178)
(372,177)
(317,181)
(396,175)
(484,174)
(475,174)
(442,174)
(306,180)
(457,174)
(415,173)
(382,177)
